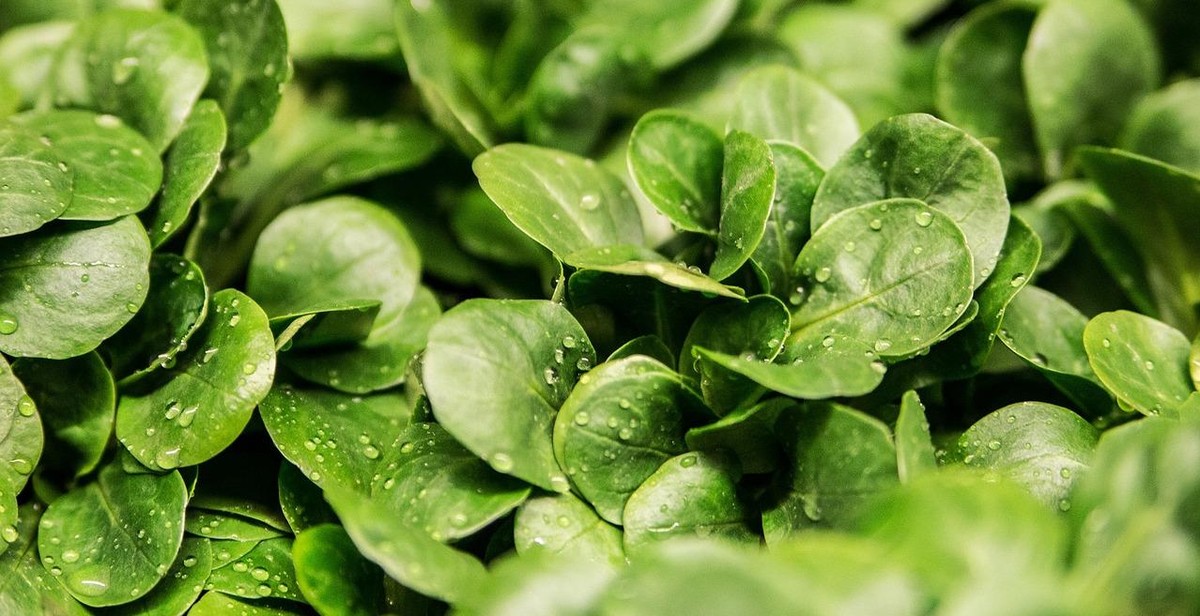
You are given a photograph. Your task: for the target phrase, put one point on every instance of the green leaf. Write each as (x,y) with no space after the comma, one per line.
(352,249)
(675,162)
(1115,249)
(797,177)
(1039,446)
(778,103)
(563,524)
(1142,361)
(27,53)
(116,171)
(920,157)
(650,345)
(573,89)
(333,576)
(76,400)
(187,414)
(427,42)
(189,167)
(175,307)
(1133,515)
(618,425)
(21,445)
(1046,215)
(970,540)
(1156,204)
(540,584)
(914,446)
(1046,331)
(25,586)
(221,525)
(752,331)
(308,152)
(406,554)
(220,604)
(332,324)
(66,288)
(747,432)
(302,502)
(264,571)
(180,587)
(37,184)
(689,495)
(895,274)
(812,368)
(747,190)
(317,30)
(497,372)
(1086,65)
(1163,126)
(147,68)
(248,56)
(980,86)
(113,539)
(665,34)
(630,260)
(564,202)
(840,459)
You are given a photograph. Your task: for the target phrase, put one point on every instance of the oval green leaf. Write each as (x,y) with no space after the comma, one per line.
(37,185)
(895,274)
(117,171)
(747,191)
(76,399)
(265,571)
(1142,361)
(564,202)
(179,588)
(187,414)
(694,494)
(675,161)
(333,577)
(497,372)
(1040,446)
(66,288)
(752,331)
(563,524)
(618,425)
(110,541)
(189,167)
(146,67)
(779,103)
(920,157)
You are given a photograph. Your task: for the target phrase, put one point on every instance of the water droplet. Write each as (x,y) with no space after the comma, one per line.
(26,407)
(70,556)
(189,561)
(21,465)
(1065,473)
(569,342)
(233,320)
(1017,280)
(264,590)
(589,201)
(823,274)
(583,363)
(828,341)
(1064,505)
(131,307)
(8,324)
(502,462)
(89,582)
(582,418)
(1040,359)
(167,459)
(875,224)
(850,246)
(124,69)
(187,416)
(687,461)
(173,411)
(248,369)
(924,218)
(994,445)
(882,345)
(260,574)
(550,375)
(1106,342)
(1149,365)
(624,434)
(371,452)
(10,534)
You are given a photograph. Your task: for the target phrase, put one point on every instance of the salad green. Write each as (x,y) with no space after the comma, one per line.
(599,307)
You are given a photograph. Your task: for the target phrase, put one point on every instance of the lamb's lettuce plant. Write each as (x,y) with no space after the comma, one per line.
(599,307)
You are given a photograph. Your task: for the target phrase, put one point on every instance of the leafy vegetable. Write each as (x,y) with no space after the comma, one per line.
(605,307)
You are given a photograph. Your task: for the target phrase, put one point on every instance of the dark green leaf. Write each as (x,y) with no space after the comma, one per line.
(797,177)
(189,413)
(25,586)
(76,400)
(116,171)
(1164,124)
(630,260)
(752,331)
(179,588)
(497,372)
(190,165)
(66,288)
(148,68)
(747,191)
(563,524)
(618,425)
(20,445)
(110,541)
(37,182)
(333,576)
(920,157)
(779,103)
(693,494)
(1142,361)
(675,161)
(264,571)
